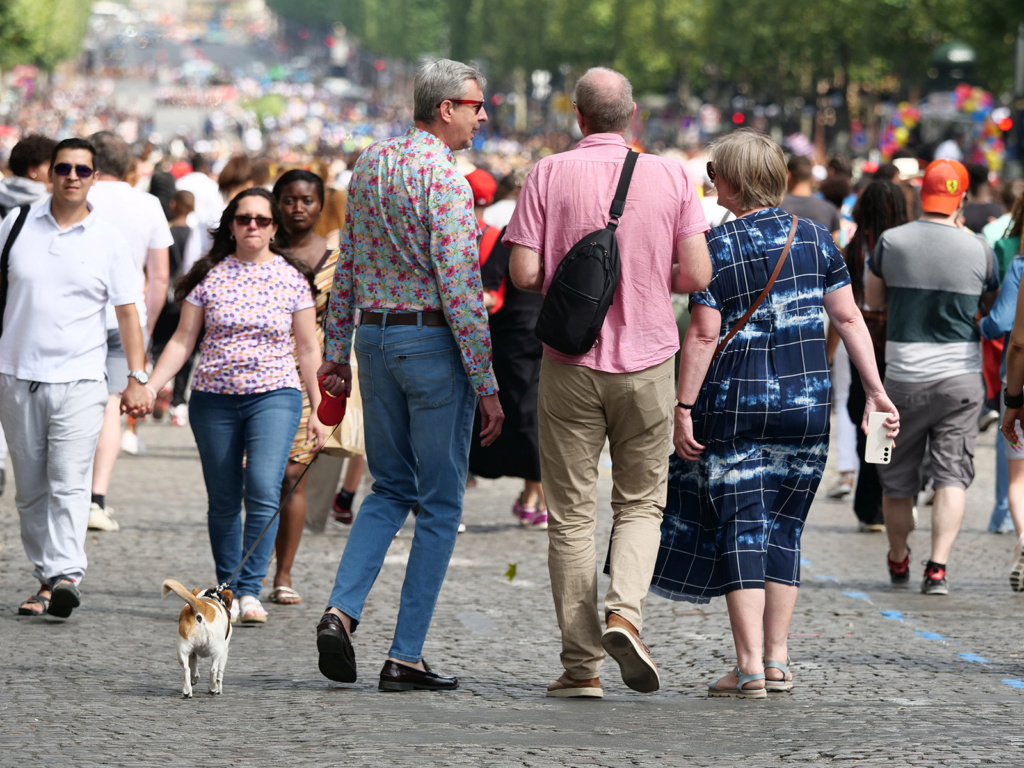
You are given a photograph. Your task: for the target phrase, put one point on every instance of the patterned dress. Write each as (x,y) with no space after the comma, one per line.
(734,517)
(302,451)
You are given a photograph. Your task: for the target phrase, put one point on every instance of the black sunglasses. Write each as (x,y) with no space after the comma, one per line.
(711,172)
(64,169)
(261,221)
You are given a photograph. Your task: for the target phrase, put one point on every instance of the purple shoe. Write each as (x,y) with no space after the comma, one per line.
(525,514)
(540,520)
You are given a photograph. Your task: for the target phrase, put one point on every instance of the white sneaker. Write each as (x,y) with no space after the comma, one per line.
(131,444)
(179,415)
(462,527)
(101,519)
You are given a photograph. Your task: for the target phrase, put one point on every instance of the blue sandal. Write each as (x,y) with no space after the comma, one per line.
(739,691)
(778,685)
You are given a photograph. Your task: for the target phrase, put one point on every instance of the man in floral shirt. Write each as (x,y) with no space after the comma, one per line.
(409,267)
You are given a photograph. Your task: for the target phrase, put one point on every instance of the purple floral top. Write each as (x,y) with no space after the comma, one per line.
(411,243)
(247,309)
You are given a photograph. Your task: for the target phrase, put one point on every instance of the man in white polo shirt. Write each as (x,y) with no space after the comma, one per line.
(64,266)
(140,219)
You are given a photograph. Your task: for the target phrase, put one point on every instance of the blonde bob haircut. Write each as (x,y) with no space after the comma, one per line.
(753,166)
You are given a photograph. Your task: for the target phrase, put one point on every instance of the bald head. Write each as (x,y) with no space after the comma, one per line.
(604,99)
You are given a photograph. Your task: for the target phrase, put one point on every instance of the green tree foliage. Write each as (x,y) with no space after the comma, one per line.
(778,48)
(41,32)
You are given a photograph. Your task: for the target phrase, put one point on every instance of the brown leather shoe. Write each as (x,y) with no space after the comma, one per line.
(622,642)
(567,688)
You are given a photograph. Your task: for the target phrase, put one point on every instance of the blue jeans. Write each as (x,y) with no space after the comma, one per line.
(259,429)
(418,408)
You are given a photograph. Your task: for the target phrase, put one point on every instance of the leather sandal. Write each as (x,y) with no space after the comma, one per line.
(739,691)
(36,599)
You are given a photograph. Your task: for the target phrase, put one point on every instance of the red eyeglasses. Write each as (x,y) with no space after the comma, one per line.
(477,105)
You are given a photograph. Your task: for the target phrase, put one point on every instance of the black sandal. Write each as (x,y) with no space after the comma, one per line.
(36,599)
(64,597)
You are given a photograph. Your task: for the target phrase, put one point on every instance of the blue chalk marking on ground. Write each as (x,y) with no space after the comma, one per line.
(858,596)
(822,577)
(930,635)
(894,615)
(805,562)
(973,658)
(1014,683)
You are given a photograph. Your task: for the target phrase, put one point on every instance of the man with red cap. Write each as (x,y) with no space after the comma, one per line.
(932,276)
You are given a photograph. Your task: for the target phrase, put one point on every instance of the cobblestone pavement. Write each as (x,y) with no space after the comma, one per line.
(884,676)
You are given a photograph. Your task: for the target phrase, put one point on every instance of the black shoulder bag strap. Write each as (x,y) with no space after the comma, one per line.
(5,259)
(619,203)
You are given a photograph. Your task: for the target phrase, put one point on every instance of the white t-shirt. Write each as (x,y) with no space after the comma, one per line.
(59,284)
(139,217)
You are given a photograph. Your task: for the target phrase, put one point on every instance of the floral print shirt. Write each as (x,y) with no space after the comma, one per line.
(247,309)
(411,243)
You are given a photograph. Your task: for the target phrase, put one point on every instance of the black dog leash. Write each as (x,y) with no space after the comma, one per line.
(224,585)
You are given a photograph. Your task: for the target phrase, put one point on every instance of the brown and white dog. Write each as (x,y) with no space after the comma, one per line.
(204,629)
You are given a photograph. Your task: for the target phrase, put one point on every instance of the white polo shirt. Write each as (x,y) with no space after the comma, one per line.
(140,218)
(59,283)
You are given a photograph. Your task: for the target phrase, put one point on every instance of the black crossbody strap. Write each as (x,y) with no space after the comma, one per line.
(619,203)
(5,259)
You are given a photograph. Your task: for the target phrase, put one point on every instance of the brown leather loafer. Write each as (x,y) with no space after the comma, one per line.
(399,677)
(566,687)
(622,642)
(337,658)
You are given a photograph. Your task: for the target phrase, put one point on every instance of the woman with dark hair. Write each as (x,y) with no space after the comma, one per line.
(752,418)
(252,295)
(881,206)
(300,194)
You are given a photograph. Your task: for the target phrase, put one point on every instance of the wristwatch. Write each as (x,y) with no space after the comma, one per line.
(140,376)
(1013,401)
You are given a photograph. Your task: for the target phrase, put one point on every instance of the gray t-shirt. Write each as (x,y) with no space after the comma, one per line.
(934,276)
(813,208)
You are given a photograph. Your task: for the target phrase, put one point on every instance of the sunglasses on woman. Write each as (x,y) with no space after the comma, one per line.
(261,221)
(711,171)
(64,169)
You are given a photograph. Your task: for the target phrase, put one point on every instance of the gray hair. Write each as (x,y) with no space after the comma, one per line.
(438,80)
(113,157)
(605,99)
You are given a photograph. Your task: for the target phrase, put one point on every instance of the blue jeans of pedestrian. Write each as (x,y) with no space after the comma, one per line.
(418,408)
(243,442)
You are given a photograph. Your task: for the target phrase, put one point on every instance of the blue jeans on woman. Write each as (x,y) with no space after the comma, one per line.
(418,408)
(257,429)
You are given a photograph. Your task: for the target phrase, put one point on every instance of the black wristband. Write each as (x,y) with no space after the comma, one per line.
(1013,401)
(686,407)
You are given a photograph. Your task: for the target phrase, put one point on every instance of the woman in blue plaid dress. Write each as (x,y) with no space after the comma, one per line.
(752,425)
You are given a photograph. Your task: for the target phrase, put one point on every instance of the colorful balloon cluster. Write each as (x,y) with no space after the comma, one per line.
(897,132)
(987,145)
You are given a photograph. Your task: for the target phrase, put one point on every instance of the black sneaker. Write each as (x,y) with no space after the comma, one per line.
(899,573)
(934,581)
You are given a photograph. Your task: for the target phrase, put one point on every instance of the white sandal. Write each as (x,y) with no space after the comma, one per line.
(252,610)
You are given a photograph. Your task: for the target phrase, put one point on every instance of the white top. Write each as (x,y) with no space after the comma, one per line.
(139,217)
(59,283)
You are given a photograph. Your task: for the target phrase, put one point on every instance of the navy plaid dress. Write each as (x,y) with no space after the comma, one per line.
(734,518)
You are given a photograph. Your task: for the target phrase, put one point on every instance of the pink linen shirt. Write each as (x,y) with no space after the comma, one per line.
(247,309)
(569,195)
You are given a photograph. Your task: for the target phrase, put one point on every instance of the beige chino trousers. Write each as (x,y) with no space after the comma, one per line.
(579,408)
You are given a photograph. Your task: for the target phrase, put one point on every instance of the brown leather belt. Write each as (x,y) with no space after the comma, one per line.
(429,317)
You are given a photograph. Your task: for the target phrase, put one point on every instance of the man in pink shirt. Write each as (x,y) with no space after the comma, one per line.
(622,389)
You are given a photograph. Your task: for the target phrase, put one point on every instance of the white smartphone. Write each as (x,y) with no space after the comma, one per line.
(879,447)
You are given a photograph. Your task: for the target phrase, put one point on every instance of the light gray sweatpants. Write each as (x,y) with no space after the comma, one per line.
(52,430)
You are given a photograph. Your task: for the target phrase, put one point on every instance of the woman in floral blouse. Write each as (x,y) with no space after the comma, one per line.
(251,294)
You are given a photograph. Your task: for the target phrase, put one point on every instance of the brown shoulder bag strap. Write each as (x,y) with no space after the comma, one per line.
(757,302)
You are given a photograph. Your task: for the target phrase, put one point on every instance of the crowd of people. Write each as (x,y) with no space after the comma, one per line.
(236,299)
